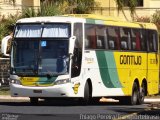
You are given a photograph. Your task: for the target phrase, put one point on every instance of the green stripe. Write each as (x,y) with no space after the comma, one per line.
(108,71)
(91,21)
(45,80)
(99,22)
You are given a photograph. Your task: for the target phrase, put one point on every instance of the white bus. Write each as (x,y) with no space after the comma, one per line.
(80,57)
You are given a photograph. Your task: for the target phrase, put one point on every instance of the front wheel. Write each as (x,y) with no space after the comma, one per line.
(87,94)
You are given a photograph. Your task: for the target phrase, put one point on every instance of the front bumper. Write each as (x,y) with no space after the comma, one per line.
(63,90)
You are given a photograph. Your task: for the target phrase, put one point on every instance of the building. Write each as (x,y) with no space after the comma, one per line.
(8,7)
(106,7)
(145,8)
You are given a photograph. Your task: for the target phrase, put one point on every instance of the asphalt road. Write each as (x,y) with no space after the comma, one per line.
(71,110)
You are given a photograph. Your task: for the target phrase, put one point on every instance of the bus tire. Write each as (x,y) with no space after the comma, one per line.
(87,96)
(34,101)
(142,93)
(133,99)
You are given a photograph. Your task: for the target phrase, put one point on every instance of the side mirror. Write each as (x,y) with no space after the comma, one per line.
(4,44)
(72,44)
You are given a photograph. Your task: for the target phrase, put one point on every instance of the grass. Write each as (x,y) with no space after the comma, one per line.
(4,91)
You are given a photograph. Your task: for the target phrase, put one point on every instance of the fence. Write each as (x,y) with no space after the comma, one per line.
(4,71)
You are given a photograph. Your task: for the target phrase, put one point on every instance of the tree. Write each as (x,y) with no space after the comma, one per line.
(132,7)
(131,4)
(74,6)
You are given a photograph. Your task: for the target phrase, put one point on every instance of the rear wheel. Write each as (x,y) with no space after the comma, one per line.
(142,93)
(133,99)
(34,101)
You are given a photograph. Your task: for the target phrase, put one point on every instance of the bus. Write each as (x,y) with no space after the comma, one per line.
(84,57)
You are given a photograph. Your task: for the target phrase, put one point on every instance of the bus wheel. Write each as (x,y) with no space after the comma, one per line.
(133,99)
(34,101)
(141,94)
(87,95)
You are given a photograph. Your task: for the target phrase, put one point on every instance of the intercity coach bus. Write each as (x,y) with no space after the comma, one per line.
(85,57)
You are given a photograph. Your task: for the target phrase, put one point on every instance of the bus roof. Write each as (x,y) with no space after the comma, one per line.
(89,18)
(114,21)
(49,19)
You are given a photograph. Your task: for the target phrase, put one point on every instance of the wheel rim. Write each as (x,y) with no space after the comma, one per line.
(134,95)
(142,94)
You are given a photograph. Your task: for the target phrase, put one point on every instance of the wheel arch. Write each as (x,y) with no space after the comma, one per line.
(137,82)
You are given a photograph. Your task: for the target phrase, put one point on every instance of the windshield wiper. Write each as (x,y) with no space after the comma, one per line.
(55,74)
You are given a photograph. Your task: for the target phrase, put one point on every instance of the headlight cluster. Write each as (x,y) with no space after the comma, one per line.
(14,81)
(63,81)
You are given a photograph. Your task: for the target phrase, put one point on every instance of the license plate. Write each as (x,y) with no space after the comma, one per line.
(37,91)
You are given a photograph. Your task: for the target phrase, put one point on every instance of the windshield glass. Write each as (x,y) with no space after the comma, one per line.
(54,59)
(25,57)
(41,57)
(40,49)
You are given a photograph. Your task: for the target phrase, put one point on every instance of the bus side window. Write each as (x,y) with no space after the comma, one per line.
(113,38)
(143,41)
(152,36)
(100,33)
(125,38)
(79,35)
(136,40)
(90,36)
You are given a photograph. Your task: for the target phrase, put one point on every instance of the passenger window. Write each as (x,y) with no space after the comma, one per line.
(152,36)
(113,38)
(90,37)
(143,40)
(125,38)
(136,44)
(101,37)
(96,37)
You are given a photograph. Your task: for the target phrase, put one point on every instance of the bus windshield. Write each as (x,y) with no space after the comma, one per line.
(46,54)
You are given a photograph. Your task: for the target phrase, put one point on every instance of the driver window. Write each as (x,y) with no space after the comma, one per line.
(77,55)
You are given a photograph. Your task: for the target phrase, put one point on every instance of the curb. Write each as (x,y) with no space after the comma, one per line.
(150,100)
(146,100)
(7,97)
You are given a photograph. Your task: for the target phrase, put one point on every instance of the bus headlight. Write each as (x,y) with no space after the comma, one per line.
(63,81)
(14,81)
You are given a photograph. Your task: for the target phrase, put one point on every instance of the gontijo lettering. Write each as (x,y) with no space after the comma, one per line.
(130,60)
